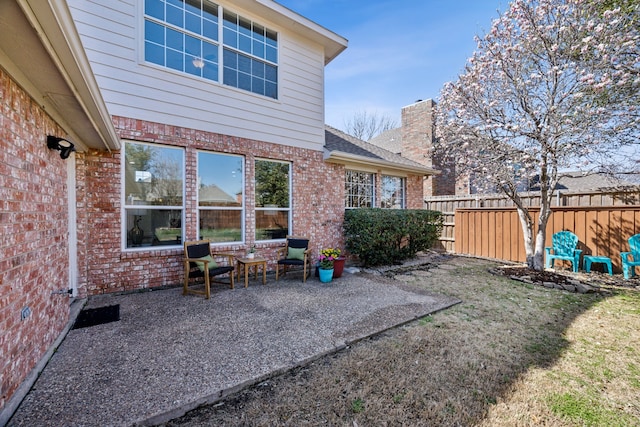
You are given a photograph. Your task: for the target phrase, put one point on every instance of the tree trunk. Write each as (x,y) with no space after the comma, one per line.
(534,239)
(538,256)
(527,232)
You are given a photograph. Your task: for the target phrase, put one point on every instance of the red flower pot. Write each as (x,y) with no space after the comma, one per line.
(338,266)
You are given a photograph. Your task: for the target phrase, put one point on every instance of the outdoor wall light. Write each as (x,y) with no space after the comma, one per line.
(64,146)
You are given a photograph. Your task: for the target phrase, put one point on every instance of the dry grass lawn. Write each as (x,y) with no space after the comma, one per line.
(510,354)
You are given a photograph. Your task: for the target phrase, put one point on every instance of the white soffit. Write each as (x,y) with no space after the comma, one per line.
(41,49)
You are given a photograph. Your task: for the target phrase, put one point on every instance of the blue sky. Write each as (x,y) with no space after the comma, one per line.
(399,50)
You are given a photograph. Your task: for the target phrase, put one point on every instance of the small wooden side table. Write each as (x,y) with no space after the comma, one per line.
(247,263)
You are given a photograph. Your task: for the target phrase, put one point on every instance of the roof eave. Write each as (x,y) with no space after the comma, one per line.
(332,43)
(86,118)
(341,157)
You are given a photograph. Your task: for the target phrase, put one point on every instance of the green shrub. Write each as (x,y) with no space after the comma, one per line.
(384,236)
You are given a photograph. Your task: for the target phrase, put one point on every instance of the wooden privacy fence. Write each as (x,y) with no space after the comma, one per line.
(448,205)
(497,233)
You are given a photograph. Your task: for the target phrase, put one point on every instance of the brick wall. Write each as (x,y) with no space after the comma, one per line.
(318,205)
(33,226)
(414,192)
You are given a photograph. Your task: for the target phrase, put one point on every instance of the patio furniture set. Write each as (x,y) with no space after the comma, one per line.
(564,247)
(200,262)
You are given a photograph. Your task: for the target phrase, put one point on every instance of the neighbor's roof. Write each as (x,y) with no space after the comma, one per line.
(342,148)
(577,181)
(390,140)
(213,193)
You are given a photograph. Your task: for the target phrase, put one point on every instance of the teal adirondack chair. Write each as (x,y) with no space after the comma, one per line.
(564,244)
(631,260)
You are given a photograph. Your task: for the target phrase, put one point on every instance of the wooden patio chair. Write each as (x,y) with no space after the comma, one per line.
(200,262)
(564,244)
(295,252)
(631,259)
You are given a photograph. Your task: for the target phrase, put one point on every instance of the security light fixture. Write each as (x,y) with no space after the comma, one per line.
(64,146)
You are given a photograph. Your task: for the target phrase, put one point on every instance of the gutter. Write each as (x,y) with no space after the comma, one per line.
(341,157)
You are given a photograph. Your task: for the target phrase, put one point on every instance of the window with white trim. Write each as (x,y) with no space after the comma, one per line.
(250,56)
(220,197)
(185,35)
(359,189)
(393,192)
(272,199)
(153,195)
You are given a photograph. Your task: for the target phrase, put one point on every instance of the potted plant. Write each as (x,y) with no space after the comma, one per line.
(326,260)
(252,252)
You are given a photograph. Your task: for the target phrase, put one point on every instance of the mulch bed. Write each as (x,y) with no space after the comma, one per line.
(594,282)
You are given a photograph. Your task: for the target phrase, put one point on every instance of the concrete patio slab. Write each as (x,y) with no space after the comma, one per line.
(170,353)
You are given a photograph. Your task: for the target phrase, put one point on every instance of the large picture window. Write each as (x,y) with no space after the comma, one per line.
(184,35)
(273,199)
(153,195)
(220,197)
(393,192)
(359,189)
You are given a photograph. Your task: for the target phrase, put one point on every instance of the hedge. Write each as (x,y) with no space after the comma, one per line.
(385,236)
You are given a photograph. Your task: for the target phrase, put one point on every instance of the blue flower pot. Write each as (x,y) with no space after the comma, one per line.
(325,275)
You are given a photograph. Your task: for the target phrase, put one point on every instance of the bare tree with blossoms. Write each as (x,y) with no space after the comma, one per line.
(553,86)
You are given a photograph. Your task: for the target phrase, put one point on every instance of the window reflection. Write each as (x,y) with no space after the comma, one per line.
(359,189)
(220,196)
(154,186)
(393,192)
(153,175)
(273,199)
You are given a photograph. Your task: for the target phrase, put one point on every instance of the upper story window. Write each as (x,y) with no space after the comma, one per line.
(220,197)
(273,199)
(154,195)
(359,189)
(393,192)
(250,56)
(182,35)
(185,35)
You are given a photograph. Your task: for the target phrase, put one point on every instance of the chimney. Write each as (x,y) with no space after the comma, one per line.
(418,131)
(418,136)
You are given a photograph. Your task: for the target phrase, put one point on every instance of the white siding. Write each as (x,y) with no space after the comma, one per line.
(111,32)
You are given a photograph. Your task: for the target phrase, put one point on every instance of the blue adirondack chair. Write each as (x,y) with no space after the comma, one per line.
(564,248)
(631,260)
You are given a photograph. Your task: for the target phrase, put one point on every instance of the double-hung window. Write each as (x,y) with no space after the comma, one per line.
(393,192)
(186,35)
(220,197)
(153,195)
(359,189)
(272,199)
